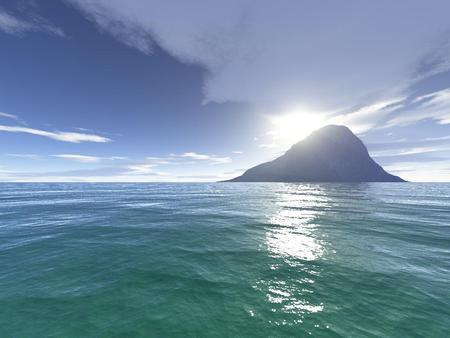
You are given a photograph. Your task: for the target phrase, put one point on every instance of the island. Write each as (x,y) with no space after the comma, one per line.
(330,154)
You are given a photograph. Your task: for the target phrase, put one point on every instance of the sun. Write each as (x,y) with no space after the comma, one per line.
(293,127)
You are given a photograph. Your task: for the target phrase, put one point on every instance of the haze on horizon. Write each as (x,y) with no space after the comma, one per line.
(143,91)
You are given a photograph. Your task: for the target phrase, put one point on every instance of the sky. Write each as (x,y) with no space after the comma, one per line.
(161,90)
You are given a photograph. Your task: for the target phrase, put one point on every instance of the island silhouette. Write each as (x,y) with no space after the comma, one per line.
(330,154)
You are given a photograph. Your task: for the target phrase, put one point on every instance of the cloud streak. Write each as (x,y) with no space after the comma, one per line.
(203,157)
(26,156)
(190,156)
(57,135)
(366,117)
(13,25)
(9,116)
(86,158)
(434,106)
(411,151)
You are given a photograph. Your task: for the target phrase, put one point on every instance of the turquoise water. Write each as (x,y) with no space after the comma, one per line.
(225,260)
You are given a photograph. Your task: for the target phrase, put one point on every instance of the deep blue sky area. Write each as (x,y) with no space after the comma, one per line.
(150,91)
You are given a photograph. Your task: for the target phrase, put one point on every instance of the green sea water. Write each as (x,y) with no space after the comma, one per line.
(225,260)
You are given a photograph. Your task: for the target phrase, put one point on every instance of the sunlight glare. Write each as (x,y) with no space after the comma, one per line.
(294,127)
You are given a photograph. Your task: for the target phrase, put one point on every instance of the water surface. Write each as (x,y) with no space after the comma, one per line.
(224,260)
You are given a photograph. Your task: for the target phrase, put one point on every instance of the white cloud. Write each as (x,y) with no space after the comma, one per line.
(411,151)
(441,138)
(141,169)
(57,135)
(196,156)
(367,117)
(268,145)
(323,56)
(26,156)
(203,157)
(13,25)
(86,158)
(78,158)
(237,152)
(115,158)
(434,106)
(188,157)
(9,116)
(160,160)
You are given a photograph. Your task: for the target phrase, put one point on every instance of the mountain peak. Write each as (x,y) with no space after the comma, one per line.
(330,154)
(333,128)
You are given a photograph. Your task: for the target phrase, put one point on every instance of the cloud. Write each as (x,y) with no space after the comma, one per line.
(9,116)
(196,156)
(237,152)
(411,151)
(26,156)
(57,135)
(141,169)
(441,138)
(78,158)
(13,25)
(366,117)
(203,157)
(190,156)
(86,158)
(160,160)
(434,106)
(268,145)
(322,55)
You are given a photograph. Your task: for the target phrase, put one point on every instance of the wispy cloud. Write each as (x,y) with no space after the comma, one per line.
(13,117)
(196,156)
(141,169)
(78,158)
(268,145)
(86,158)
(190,156)
(435,106)
(440,138)
(368,116)
(57,135)
(9,116)
(160,160)
(237,152)
(26,156)
(203,157)
(411,151)
(13,25)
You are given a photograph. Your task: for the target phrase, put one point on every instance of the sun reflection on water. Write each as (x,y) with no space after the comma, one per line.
(294,234)
(295,242)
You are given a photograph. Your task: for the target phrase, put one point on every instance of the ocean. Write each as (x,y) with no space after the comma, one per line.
(225,260)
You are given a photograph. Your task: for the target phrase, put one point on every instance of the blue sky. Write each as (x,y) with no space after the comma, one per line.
(198,91)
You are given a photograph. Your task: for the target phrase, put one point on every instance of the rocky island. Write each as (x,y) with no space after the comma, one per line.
(330,154)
